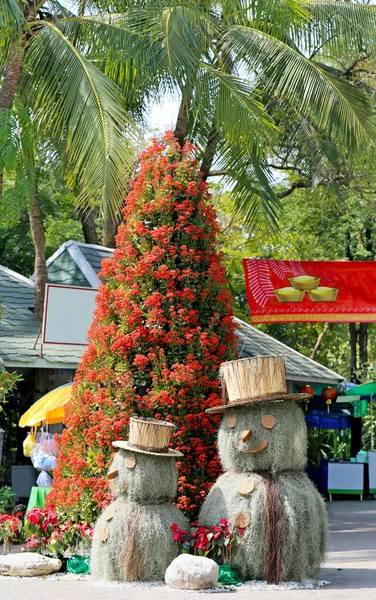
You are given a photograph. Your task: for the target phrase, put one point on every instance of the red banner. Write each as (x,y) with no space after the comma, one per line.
(287,291)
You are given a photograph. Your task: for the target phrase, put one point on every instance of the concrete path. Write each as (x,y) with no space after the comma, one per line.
(350,568)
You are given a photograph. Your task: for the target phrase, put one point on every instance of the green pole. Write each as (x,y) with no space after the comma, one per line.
(371,421)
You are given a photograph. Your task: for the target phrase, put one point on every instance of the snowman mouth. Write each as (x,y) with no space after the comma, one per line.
(262,446)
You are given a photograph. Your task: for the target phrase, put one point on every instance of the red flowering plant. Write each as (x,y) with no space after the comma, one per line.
(215,542)
(48,533)
(162,327)
(10,530)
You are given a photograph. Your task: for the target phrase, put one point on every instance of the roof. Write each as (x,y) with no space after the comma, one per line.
(20,328)
(77,264)
(299,368)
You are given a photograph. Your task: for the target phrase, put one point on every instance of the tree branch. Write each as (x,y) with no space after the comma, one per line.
(296,185)
(319,340)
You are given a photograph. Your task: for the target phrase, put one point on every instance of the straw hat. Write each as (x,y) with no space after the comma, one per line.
(149,436)
(254,380)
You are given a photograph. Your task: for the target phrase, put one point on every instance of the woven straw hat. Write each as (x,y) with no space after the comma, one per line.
(149,436)
(254,380)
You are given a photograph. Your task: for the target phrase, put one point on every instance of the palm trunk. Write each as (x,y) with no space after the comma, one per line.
(209,153)
(181,128)
(111,223)
(87,218)
(9,84)
(40,268)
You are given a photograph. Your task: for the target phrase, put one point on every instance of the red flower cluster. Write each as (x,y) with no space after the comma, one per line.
(10,529)
(215,541)
(162,327)
(47,532)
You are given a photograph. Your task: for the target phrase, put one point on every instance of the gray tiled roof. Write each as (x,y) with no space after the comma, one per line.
(77,264)
(253,342)
(19,328)
(65,271)
(94,255)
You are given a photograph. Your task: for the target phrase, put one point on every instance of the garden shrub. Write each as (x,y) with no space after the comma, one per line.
(7,499)
(162,327)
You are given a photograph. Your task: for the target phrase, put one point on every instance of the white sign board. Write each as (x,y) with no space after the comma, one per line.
(68,313)
(345,478)
(372,471)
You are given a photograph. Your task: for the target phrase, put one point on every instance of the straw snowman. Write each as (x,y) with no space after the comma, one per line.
(262,445)
(132,538)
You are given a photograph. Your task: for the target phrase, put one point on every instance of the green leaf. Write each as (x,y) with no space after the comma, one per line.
(335,105)
(72,100)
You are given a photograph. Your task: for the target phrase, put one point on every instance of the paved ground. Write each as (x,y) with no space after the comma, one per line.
(350,569)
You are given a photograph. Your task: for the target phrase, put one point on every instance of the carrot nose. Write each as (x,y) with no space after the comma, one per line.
(246,435)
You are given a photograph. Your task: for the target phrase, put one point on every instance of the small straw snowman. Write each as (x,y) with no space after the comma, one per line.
(262,445)
(132,539)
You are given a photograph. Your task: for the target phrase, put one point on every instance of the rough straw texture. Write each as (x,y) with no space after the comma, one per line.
(152,479)
(139,546)
(253,377)
(287,441)
(287,534)
(303,528)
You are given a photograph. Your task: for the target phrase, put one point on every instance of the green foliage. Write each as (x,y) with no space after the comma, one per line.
(328,443)
(7,499)
(314,225)
(235,67)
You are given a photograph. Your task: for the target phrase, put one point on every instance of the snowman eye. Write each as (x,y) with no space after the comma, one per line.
(231,422)
(268,421)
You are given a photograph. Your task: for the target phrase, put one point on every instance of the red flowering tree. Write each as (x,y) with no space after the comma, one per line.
(162,327)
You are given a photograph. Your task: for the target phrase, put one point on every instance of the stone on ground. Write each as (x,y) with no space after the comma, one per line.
(187,572)
(28,564)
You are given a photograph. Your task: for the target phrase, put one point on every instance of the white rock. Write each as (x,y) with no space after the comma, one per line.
(187,572)
(28,564)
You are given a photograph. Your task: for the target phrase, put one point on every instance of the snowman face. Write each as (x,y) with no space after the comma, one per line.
(142,477)
(269,436)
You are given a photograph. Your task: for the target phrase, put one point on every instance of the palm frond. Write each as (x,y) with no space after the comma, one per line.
(148,50)
(73,100)
(250,181)
(343,27)
(335,105)
(239,110)
(16,161)
(11,17)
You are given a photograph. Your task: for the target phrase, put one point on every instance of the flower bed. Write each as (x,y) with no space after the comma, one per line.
(214,542)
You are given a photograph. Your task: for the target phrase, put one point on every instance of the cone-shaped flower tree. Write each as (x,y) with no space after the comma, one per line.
(162,327)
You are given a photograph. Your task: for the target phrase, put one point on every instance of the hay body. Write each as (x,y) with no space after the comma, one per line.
(139,545)
(154,478)
(304,529)
(287,441)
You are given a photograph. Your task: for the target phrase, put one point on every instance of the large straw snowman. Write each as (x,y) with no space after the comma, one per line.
(132,538)
(262,445)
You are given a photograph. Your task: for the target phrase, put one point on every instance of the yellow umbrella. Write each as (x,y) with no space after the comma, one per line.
(49,409)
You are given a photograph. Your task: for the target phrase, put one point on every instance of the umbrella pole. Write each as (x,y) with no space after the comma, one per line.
(371,422)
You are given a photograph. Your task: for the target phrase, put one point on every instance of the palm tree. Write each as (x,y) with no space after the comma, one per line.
(236,64)
(56,100)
